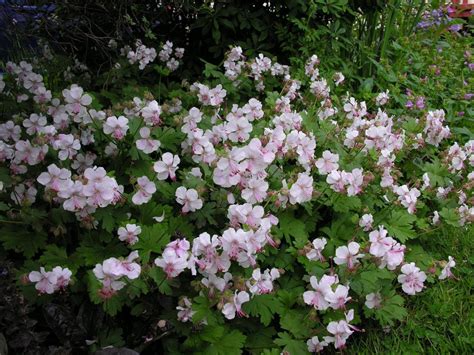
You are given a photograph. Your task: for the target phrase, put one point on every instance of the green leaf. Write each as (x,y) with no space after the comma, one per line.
(159,276)
(21,240)
(264,306)
(136,288)
(371,281)
(450,216)
(106,217)
(93,252)
(437,172)
(260,338)
(203,310)
(392,310)
(169,138)
(56,256)
(212,334)
(111,305)
(5,176)
(111,337)
(230,344)
(166,191)
(400,225)
(290,345)
(296,322)
(344,204)
(293,229)
(152,240)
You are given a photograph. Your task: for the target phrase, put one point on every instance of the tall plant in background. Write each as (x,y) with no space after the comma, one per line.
(356,34)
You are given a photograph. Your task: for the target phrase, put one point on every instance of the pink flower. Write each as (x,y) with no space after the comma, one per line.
(171,264)
(112,270)
(302,190)
(146,144)
(407,197)
(379,243)
(76,99)
(327,163)
(189,199)
(167,166)
(337,180)
(338,298)
(151,113)
(338,78)
(34,124)
(234,241)
(235,306)
(67,145)
(348,255)
(117,127)
(382,98)
(354,179)
(373,300)
(394,256)
(10,131)
(316,346)
(260,283)
(446,272)
(178,248)
(100,190)
(129,233)
(411,279)
(238,129)
(186,312)
(55,179)
(146,189)
(255,190)
(366,222)
(456,157)
(73,196)
(51,281)
(340,331)
(317,298)
(316,252)
(126,267)
(63,277)
(355,110)
(434,129)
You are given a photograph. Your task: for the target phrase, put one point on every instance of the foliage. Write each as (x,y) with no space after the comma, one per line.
(297,182)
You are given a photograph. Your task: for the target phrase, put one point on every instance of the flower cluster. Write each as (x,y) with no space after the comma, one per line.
(145,55)
(439,18)
(50,281)
(112,271)
(247,191)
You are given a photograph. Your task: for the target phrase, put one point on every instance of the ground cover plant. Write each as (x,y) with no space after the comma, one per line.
(262,209)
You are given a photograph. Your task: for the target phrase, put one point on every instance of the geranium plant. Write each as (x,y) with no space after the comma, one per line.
(266,208)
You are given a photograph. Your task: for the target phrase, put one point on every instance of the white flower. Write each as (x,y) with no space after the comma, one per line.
(446,272)
(129,233)
(316,252)
(189,199)
(146,189)
(373,300)
(315,346)
(411,279)
(348,255)
(235,306)
(146,144)
(366,222)
(117,127)
(167,166)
